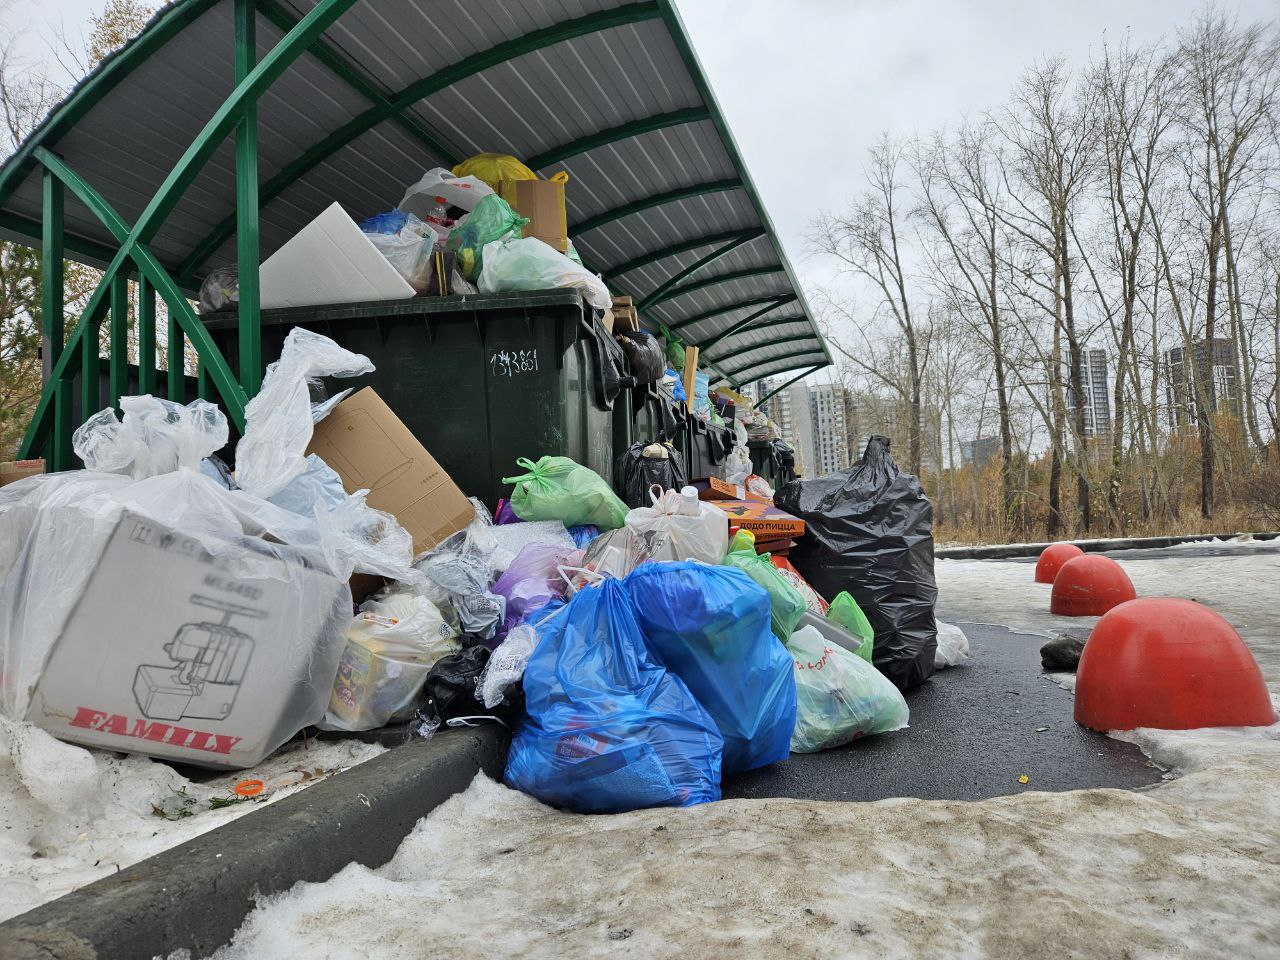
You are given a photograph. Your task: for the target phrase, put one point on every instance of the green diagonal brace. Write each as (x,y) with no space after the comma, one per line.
(656,200)
(625,131)
(741,371)
(232,395)
(776,301)
(796,379)
(683,246)
(658,295)
(740,325)
(417,91)
(718,279)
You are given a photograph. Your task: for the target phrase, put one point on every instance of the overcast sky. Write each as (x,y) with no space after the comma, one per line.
(807,85)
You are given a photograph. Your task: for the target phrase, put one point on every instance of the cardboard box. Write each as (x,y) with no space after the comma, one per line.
(766,521)
(330,260)
(542,201)
(713,488)
(15,470)
(625,317)
(607,320)
(174,652)
(371,449)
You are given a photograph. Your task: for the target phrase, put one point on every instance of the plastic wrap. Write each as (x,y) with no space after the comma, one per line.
(710,627)
(869,531)
(608,728)
(506,667)
(527,263)
(840,696)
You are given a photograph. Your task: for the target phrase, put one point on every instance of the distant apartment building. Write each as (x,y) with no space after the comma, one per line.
(827,405)
(981,452)
(1217,365)
(791,411)
(1097,398)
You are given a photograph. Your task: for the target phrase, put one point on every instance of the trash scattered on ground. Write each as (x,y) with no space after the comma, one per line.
(953,646)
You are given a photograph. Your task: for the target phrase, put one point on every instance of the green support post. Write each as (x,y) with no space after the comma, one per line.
(247,252)
(203,389)
(61,454)
(118,343)
(176,388)
(52,320)
(146,336)
(90,368)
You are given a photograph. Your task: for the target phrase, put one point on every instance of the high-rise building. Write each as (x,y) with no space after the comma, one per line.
(830,433)
(1097,405)
(790,409)
(980,451)
(1217,365)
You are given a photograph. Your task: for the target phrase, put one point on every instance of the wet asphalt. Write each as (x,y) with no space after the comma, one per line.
(975,729)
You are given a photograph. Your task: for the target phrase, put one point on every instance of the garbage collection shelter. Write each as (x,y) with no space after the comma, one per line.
(227,125)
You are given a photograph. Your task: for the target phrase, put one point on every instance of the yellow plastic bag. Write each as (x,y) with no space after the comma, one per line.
(493,168)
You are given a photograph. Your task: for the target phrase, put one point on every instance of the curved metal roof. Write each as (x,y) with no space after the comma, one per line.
(659,200)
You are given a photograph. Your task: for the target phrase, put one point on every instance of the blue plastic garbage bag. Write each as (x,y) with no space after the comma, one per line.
(710,627)
(609,729)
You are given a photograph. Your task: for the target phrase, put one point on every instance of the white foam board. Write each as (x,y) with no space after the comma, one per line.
(329,261)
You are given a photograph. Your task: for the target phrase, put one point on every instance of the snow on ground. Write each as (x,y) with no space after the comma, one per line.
(1189,868)
(71,816)
(1241,588)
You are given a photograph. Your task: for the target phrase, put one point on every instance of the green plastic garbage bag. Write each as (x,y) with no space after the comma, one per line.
(786,604)
(839,696)
(845,611)
(557,488)
(675,354)
(491,220)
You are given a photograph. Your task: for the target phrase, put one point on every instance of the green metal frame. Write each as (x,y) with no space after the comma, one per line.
(740,326)
(684,246)
(776,390)
(776,301)
(661,293)
(624,131)
(753,328)
(238,113)
(656,200)
(671,294)
(417,91)
(741,372)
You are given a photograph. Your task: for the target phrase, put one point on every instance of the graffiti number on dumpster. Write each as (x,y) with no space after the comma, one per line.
(512,363)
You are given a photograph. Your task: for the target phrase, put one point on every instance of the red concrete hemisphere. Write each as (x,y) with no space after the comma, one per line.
(1088,586)
(1052,558)
(1172,664)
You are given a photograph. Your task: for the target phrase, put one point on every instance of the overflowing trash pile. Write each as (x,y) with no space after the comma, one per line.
(642,635)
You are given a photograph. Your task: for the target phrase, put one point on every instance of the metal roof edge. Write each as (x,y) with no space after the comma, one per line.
(680,36)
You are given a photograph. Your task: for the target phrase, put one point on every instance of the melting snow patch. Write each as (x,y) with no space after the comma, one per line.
(1188,868)
(72,816)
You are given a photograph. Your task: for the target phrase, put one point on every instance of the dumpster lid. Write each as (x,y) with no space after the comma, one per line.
(660,201)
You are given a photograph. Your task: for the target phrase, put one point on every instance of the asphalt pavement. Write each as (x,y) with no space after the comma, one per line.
(975,729)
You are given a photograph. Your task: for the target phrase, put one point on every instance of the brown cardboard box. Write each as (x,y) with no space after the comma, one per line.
(371,449)
(607,320)
(542,201)
(713,488)
(16,470)
(766,521)
(625,318)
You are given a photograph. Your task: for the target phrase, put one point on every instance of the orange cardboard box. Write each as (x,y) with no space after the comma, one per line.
(766,521)
(713,488)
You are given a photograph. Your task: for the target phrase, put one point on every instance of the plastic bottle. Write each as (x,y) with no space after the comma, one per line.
(689,504)
(437,215)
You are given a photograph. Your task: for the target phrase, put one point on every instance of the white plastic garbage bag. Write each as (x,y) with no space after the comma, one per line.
(527,263)
(278,421)
(392,644)
(679,526)
(506,666)
(839,696)
(953,646)
(464,192)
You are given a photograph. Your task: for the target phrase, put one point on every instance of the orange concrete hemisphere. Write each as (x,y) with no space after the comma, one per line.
(1088,586)
(1171,664)
(1052,558)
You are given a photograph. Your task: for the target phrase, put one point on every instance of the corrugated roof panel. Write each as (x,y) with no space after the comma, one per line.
(126,143)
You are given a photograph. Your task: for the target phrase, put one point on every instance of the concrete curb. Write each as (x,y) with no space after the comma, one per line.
(1009,551)
(196,895)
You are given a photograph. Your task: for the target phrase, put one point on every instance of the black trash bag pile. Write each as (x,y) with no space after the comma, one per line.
(636,473)
(869,531)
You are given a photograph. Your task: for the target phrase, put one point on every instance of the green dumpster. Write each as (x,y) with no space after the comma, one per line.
(481,379)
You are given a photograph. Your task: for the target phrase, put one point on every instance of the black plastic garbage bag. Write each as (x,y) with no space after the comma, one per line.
(635,473)
(869,531)
(450,691)
(645,356)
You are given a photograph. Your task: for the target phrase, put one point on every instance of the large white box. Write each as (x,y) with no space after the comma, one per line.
(208,658)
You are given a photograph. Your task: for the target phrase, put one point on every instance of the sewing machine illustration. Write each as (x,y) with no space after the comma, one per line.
(210,660)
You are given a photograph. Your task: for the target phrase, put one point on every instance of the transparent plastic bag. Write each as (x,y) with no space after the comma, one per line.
(953,646)
(527,263)
(220,290)
(157,436)
(840,697)
(278,421)
(392,644)
(679,526)
(506,667)
(611,555)
(459,583)
(407,242)
(457,191)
